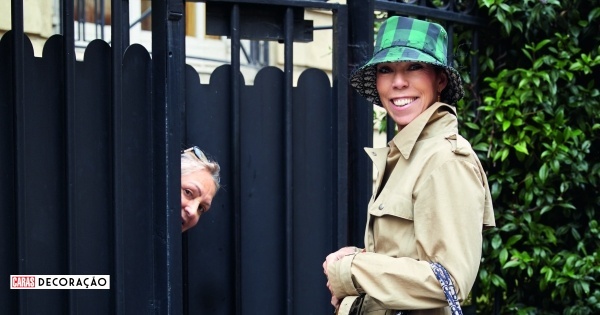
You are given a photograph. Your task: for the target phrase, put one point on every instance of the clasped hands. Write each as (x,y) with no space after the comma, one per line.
(332,258)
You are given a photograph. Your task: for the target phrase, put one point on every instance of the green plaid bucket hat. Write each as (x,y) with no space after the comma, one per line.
(405,39)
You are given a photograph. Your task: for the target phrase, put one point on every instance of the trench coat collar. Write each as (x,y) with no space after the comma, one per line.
(406,138)
(379,158)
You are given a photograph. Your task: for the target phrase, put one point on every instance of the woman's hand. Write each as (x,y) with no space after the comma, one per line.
(333,257)
(334,301)
(330,259)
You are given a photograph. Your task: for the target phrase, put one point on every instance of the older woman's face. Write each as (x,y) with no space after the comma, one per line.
(197,191)
(407,89)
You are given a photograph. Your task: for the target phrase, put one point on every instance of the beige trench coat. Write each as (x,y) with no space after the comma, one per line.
(433,207)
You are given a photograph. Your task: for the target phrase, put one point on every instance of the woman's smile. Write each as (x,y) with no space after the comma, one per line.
(401,102)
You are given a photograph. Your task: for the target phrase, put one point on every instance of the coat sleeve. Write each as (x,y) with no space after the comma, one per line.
(448,216)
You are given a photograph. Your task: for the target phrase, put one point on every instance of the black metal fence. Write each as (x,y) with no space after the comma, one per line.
(90,155)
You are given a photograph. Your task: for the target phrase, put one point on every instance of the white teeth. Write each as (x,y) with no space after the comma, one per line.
(403,101)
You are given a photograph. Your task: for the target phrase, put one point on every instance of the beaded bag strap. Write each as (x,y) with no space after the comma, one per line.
(447,286)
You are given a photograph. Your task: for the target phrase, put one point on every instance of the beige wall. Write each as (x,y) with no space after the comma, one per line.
(38,21)
(315,54)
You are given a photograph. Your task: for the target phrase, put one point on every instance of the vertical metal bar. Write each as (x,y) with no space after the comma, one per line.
(19,140)
(185,255)
(236,151)
(340,85)
(124,25)
(185,236)
(119,225)
(68,32)
(102,15)
(253,50)
(360,25)
(450,50)
(96,18)
(390,128)
(475,68)
(289,196)
(498,301)
(265,55)
(62,5)
(168,63)
(81,18)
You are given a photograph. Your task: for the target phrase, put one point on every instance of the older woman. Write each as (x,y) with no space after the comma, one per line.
(199,184)
(431,199)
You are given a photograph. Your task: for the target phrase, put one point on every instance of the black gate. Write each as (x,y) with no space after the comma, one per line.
(91,163)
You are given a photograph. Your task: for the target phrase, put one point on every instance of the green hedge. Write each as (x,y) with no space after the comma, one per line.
(533,116)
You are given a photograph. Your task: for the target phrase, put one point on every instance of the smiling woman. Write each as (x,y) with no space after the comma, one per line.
(431,198)
(199,184)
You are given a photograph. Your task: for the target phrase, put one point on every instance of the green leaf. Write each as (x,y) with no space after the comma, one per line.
(499,92)
(504,154)
(512,240)
(543,173)
(511,264)
(541,44)
(498,281)
(521,147)
(503,256)
(472,126)
(496,241)
(594,13)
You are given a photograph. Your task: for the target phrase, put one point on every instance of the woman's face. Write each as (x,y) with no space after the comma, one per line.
(407,89)
(197,191)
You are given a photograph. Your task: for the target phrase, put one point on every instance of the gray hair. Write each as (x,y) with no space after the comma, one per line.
(191,163)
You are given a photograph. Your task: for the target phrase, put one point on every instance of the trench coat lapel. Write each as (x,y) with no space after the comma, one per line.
(379,158)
